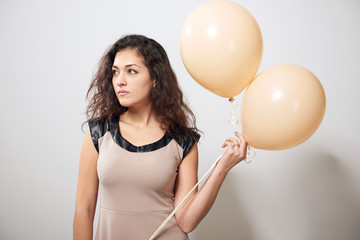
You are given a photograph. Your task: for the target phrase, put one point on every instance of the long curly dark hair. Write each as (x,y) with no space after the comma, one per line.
(167,98)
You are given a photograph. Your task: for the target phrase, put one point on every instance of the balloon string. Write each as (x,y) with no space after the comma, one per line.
(248,154)
(187,195)
(234,120)
(182,201)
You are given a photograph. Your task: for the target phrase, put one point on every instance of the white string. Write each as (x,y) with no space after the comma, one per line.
(182,201)
(234,120)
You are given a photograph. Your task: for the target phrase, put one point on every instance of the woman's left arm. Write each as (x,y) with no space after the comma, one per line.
(199,203)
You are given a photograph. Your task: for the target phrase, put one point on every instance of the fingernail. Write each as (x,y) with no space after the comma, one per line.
(237,132)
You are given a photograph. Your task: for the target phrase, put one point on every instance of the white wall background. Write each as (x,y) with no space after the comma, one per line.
(49,51)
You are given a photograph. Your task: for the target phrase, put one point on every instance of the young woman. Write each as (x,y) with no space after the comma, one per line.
(140,150)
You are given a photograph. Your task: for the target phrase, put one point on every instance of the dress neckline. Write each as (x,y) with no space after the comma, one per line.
(125,144)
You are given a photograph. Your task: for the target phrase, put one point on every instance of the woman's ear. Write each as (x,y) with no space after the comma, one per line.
(154,83)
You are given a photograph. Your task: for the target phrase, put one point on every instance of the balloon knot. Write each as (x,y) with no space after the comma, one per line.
(231,99)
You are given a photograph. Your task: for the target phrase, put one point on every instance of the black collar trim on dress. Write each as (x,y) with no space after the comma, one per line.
(123,143)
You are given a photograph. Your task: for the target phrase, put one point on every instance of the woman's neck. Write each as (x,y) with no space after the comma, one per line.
(139,116)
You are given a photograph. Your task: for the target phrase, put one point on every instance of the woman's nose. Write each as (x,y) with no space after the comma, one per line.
(121,80)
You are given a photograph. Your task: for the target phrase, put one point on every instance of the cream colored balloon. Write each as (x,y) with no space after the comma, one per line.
(221,47)
(282,107)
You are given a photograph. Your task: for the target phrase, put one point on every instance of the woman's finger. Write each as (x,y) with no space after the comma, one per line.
(243,144)
(234,141)
(236,146)
(226,143)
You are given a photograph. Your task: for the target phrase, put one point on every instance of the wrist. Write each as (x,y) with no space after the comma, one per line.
(221,169)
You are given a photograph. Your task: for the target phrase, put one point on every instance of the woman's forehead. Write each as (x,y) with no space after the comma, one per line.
(127,56)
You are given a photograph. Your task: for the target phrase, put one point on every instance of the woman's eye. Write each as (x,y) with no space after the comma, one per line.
(114,72)
(131,71)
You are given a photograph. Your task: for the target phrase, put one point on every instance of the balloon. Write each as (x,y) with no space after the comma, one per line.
(221,47)
(282,107)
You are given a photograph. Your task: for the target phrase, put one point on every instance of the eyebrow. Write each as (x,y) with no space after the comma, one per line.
(127,66)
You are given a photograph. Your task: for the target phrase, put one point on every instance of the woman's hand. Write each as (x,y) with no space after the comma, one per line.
(235,152)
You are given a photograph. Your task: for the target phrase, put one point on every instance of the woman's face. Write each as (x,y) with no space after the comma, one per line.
(131,79)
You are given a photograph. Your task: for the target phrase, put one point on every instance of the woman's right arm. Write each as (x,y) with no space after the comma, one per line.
(87,191)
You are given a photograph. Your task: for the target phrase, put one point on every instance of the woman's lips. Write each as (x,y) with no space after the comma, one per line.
(123,93)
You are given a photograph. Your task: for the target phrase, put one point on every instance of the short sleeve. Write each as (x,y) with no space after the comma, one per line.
(97,130)
(187,142)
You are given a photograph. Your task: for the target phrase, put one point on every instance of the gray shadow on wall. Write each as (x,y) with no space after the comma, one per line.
(330,197)
(227,219)
(325,203)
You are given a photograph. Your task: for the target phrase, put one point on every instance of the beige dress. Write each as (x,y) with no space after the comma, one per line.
(136,183)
